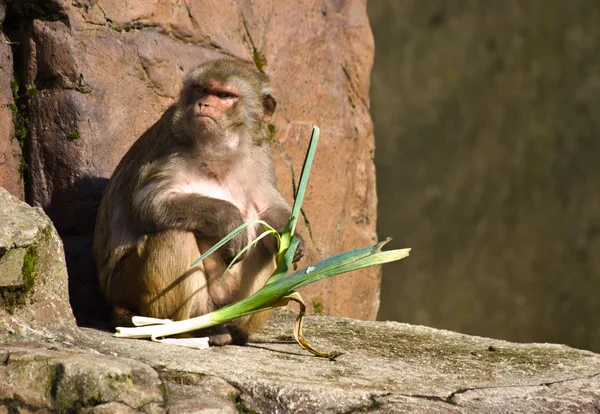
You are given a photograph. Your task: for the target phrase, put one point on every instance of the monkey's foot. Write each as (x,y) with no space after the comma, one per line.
(226,334)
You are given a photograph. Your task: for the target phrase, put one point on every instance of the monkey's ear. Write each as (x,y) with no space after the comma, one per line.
(269,104)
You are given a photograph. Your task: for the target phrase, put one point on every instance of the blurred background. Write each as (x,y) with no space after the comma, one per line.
(487,129)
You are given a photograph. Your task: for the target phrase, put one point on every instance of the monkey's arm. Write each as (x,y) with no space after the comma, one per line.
(205,216)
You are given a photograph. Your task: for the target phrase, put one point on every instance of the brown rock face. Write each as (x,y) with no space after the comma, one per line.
(10,151)
(105,71)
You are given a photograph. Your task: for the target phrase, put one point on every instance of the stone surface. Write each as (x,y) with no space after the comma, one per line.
(33,279)
(387,367)
(10,151)
(60,380)
(105,70)
(487,121)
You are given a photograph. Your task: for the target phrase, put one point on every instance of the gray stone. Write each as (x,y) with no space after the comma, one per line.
(11,267)
(386,367)
(61,380)
(34,301)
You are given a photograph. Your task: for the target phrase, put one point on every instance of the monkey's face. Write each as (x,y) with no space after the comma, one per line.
(210,116)
(213,105)
(224,105)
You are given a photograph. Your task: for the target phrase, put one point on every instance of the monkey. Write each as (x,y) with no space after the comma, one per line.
(202,170)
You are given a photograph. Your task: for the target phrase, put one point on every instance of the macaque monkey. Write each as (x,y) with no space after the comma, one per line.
(200,171)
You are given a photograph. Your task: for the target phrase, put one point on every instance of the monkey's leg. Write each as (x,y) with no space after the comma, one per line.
(168,287)
(171,289)
(254,322)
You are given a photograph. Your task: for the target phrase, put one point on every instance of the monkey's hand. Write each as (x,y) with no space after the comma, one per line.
(209,219)
(278,216)
(235,245)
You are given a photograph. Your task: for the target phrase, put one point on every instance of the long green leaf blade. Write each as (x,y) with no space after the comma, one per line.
(371,260)
(286,285)
(229,237)
(308,161)
(285,263)
(265,297)
(248,247)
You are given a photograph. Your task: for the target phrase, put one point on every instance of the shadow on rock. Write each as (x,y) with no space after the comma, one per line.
(73,211)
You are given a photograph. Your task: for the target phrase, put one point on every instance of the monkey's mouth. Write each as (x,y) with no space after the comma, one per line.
(203,119)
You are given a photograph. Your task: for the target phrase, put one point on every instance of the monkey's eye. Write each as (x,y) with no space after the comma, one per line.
(224,95)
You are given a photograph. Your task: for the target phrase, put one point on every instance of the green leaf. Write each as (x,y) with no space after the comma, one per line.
(308,161)
(284,264)
(376,258)
(229,237)
(248,246)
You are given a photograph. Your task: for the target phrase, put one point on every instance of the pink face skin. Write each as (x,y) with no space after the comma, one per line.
(213,101)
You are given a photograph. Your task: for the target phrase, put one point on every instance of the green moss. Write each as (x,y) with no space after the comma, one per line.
(23,167)
(271,132)
(13,297)
(19,121)
(240,406)
(163,391)
(73,135)
(18,109)
(47,232)
(259,60)
(14,87)
(318,306)
(37,11)
(28,270)
(31,92)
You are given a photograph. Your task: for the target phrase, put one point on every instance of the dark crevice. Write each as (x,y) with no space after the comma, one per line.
(189,13)
(374,403)
(150,83)
(236,398)
(260,61)
(353,89)
(310,233)
(550,383)
(16,405)
(543,384)
(58,375)
(447,400)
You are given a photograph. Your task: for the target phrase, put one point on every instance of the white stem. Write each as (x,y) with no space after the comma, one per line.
(196,343)
(159,331)
(144,320)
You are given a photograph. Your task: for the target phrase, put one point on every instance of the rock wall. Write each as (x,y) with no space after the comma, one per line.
(95,74)
(487,124)
(10,150)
